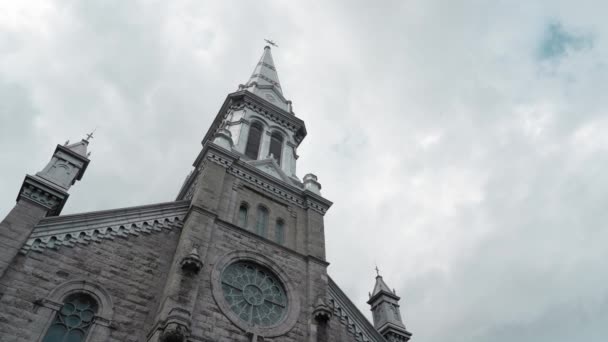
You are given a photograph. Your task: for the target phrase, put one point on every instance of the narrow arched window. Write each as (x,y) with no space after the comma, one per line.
(243,209)
(279,232)
(73,320)
(253,141)
(262,222)
(276,146)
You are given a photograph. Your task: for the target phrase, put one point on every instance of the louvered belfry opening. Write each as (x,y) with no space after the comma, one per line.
(276,146)
(253,142)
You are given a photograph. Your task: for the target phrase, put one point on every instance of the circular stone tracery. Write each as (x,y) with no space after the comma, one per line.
(254,293)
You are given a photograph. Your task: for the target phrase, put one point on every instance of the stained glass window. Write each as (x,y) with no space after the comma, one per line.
(243,215)
(73,320)
(279,232)
(254,294)
(276,146)
(253,141)
(262,222)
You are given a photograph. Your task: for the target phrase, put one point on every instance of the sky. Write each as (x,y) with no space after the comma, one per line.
(462,142)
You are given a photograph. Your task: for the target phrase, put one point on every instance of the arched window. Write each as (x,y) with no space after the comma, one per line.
(243,215)
(279,232)
(73,320)
(262,222)
(276,146)
(253,141)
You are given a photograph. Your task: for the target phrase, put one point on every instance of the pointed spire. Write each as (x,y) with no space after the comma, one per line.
(79,147)
(384,304)
(381,286)
(49,187)
(265,73)
(264,82)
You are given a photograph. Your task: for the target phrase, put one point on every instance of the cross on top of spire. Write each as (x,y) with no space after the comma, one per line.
(271,42)
(90,135)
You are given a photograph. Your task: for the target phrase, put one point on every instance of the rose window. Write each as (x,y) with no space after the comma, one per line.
(254,294)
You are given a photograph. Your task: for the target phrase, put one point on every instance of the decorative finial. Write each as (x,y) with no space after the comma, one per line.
(66,142)
(90,135)
(271,42)
(377,271)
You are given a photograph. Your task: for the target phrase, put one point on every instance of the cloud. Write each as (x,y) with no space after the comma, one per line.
(461,142)
(558,42)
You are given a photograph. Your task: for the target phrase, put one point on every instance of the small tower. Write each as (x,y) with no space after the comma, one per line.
(385,310)
(49,187)
(43,194)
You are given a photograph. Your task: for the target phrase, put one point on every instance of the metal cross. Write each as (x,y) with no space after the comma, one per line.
(271,42)
(377,271)
(90,135)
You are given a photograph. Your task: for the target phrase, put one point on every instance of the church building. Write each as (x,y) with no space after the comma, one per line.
(239,255)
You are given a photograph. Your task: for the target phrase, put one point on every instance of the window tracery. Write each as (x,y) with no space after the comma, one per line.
(73,320)
(254,293)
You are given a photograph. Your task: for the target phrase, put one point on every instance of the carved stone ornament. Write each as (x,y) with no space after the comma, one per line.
(223,138)
(174,333)
(192,263)
(322,312)
(41,197)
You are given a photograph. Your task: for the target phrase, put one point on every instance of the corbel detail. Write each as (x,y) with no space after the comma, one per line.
(322,312)
(191,263)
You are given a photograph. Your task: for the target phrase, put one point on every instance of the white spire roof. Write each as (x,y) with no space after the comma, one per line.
(265,73)
(381,286)
(264,82)
(79,147)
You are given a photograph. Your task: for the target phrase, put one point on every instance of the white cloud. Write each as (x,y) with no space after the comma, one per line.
(468,168)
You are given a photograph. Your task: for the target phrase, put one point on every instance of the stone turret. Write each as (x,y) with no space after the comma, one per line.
(43,194)
(385,310)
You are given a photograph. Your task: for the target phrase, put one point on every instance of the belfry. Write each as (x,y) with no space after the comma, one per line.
(238,255)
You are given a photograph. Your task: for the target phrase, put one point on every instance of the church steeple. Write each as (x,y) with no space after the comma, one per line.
(258,124)
(43,194)
(264,82)
(49,187)
(385,310)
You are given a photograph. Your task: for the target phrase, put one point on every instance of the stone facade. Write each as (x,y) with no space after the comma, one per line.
(159,273)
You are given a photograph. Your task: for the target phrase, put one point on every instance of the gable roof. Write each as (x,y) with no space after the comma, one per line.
(347,313)
(271,167)
(67,230)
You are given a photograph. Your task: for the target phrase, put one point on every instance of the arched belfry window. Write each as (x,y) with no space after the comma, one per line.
(276,146)
(262,222)
(243,209)
(73,321)
(253,141)
(279,232)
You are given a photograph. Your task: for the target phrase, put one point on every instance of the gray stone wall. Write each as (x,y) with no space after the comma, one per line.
(131,270)
(145,290)
(15,228)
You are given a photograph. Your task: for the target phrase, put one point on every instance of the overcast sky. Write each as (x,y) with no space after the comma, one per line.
(462,142)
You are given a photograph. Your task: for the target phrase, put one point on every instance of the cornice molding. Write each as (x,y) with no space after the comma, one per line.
(40,192)
(347,313)
(257,178)
(85,228)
